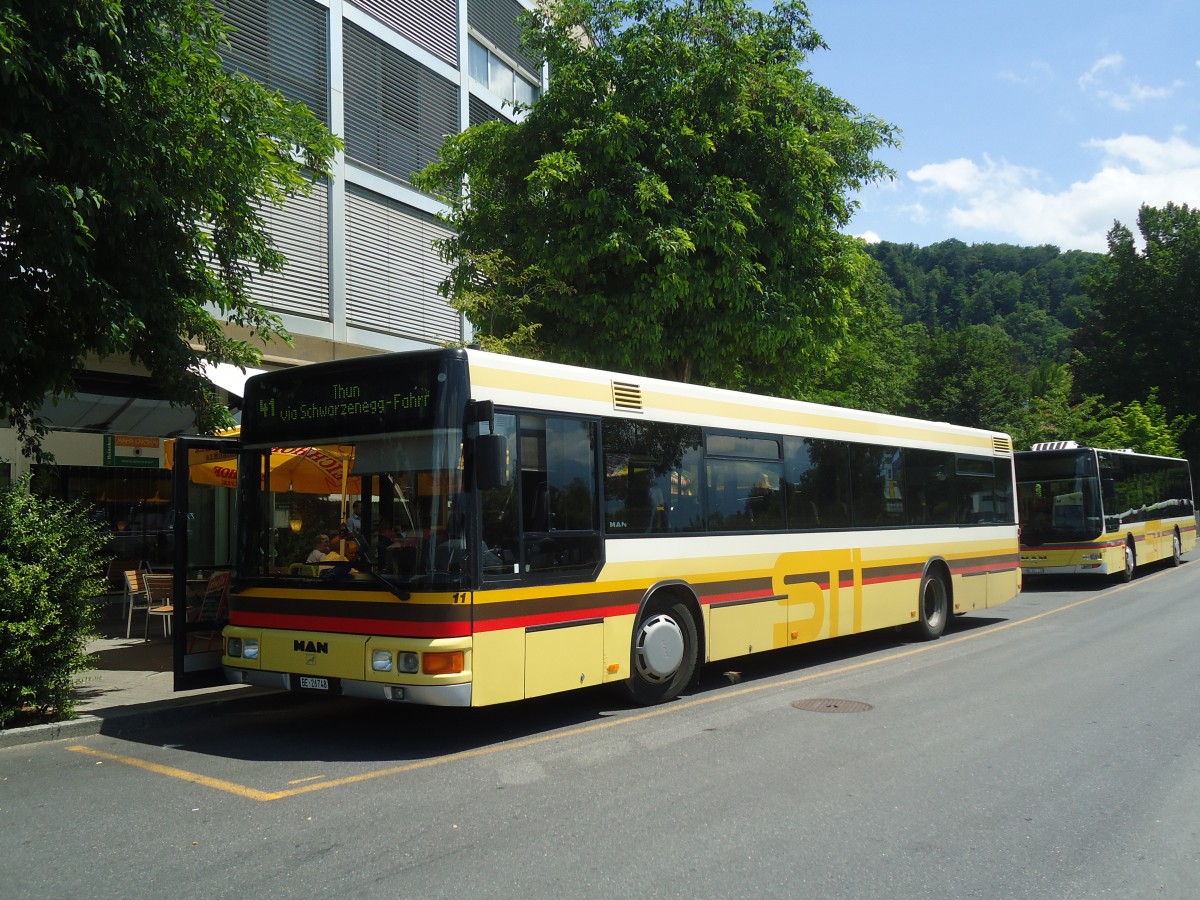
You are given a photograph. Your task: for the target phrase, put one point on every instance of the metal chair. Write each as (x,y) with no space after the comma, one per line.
(135,597)
(160,592)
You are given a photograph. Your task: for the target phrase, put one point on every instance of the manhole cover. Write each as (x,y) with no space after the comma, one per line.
(832,706)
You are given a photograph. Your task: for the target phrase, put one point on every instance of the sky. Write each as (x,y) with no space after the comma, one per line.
(1022,122)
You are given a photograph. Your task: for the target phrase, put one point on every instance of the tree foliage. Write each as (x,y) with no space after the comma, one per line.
(875,365)
(1145,334)
(133,173)
(684,178)
(966,377)
(48,564)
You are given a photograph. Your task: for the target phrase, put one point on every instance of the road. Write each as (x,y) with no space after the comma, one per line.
(1047,748)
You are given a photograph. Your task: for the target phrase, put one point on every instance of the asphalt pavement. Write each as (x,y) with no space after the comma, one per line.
(131,684)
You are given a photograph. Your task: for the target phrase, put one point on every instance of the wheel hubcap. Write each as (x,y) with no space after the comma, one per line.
(935,602)
(660,647)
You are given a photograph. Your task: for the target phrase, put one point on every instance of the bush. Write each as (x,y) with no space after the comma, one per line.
(50,565)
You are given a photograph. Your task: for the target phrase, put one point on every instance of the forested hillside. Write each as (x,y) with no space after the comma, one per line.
(1035,294)
(1043,344)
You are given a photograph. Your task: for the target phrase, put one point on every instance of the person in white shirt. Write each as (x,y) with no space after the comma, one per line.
(320,549)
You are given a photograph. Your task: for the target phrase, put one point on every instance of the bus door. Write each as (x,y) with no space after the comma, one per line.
(203,508)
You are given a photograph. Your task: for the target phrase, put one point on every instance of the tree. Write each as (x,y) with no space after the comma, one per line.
(1145,332)
(966,377)
(684,177)
(1142,427)
(133,171)
(876,362)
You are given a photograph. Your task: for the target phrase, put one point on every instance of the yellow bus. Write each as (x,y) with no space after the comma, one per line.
(529,528)
(1104,512)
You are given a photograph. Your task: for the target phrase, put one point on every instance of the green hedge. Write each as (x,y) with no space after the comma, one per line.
(50,573)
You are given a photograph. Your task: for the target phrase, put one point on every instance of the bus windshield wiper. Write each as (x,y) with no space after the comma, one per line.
(356,536)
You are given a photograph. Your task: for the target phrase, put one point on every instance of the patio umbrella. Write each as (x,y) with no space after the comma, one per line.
(305,470)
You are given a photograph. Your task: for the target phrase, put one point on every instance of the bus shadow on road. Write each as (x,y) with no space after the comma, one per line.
(284,727)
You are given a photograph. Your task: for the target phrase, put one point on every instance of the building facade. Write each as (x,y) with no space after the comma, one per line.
(393,78)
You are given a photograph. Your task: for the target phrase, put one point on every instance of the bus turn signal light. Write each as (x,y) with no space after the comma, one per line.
(445,663)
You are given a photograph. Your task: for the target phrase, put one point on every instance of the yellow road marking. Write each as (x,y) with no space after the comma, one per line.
(250,793)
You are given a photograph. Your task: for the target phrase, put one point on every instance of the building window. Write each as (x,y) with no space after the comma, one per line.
(491,73)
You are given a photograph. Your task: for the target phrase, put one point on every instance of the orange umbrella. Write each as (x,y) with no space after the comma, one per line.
(305,470)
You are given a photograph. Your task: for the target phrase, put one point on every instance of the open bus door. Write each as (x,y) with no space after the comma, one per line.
(203,561)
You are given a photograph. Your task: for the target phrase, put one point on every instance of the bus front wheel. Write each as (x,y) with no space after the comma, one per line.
(1126,574)
(663,657)
(1176,549)
(933,607)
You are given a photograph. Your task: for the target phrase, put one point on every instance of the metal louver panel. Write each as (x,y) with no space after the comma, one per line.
(283,44)
(481,112)
(430,24)
(393,271)
(1001,447)
(398,113)
(498,21)
(300,231)
(626,396)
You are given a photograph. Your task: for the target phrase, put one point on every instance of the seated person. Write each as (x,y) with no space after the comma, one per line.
(320,549)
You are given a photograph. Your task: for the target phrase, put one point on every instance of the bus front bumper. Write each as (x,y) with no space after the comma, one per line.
(422,694)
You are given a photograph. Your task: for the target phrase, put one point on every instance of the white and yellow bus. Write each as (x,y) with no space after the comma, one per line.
(1102,512)
(532,528)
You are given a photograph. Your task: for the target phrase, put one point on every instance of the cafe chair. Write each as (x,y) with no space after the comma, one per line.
(160,590)
(135,597)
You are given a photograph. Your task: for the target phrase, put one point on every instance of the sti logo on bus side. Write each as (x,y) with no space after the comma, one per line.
(310,646)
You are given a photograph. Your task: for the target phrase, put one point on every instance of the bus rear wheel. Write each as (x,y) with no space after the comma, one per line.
(664,652)
(933,607)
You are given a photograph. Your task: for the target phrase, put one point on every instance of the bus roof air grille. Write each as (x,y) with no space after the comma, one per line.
(626,396)
(1056,445)
(1001,447)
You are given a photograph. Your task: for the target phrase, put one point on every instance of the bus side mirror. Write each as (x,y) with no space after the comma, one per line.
(491,458)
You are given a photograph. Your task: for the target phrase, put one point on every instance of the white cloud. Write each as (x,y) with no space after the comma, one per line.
(1001,198)
(1112,62)
(869,237)
(1098,81)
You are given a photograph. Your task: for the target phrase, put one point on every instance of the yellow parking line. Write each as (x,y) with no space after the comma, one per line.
(250,793)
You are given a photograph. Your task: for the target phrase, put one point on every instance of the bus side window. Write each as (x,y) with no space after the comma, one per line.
(501,531)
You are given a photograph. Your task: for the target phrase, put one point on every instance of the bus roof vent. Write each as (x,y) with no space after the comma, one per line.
(1056,445)
(626,396)
(1001,446)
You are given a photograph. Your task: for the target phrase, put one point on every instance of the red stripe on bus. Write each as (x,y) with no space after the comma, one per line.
(563,618)
(364,627)
(712,599)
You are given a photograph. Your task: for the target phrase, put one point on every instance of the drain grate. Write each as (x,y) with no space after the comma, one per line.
(832,706)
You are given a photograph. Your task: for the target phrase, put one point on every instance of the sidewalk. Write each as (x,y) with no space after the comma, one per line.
(132,682)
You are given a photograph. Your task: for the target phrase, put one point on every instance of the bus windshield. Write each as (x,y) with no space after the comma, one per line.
(410,530)
(353,474)
(1059,498)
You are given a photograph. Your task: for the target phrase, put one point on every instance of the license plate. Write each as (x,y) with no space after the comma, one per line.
(308,683)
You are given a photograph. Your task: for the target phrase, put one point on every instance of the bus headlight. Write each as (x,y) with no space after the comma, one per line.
(249,648)
(1093,556)
(381,660)
(407,663)
(235,647)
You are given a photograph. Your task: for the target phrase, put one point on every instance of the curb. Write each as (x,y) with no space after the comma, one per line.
(123,720)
